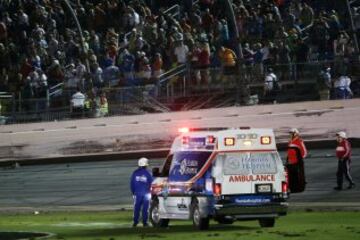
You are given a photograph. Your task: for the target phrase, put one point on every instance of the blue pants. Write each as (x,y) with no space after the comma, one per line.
(144,201)
(342,93)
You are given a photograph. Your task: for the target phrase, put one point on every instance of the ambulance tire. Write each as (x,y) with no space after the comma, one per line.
(201,223)
(267,222)
(155,220)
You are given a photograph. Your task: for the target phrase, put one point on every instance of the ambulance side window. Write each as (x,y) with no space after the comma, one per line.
(166,168)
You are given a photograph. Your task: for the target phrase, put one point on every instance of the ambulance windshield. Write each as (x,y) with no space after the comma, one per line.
(187,164)
(249,163)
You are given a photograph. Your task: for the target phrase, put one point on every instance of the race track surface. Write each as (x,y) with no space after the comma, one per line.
(107,183)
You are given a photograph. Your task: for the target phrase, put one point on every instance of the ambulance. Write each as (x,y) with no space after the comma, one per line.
(221,174)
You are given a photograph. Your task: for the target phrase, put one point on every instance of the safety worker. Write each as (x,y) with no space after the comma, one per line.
(343,153)
(140,185)
(295,161)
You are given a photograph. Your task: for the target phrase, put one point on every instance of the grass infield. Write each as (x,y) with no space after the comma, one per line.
(117,225)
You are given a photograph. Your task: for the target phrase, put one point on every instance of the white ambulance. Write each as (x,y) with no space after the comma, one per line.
(223,174)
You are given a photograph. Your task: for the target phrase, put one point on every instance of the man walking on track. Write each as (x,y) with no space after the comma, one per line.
(140,185)
(295,162)
(343,153)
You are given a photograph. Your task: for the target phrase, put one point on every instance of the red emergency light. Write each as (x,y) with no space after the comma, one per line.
(210,139)
(185,140)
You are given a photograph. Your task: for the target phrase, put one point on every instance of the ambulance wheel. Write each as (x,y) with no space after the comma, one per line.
(201,223)
(155,219)
(267,222)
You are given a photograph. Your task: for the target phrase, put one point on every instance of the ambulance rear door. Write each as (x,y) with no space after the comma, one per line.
(248,172)
(228,165)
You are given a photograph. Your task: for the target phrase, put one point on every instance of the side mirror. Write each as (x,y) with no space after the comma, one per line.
(156,172)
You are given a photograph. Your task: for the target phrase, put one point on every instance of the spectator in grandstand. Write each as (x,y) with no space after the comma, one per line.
(228,60)
(284,60)
(102,107)
(127,66)
(3,32)
(111,75)
(181,52)
(204,63)
(156,66)
(306,16)
(248,55)
(324,83)
(4,81)
(339,49)
(145,70)
(207,21)
(342,87)
(69,76)
(271,84)
(258,61)
(301,54)
(97,75)
(55,73)
(77,104)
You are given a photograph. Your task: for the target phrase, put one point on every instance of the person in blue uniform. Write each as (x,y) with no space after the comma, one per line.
(140,184)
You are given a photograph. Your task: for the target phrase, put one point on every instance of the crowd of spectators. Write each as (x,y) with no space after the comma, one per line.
(131,42)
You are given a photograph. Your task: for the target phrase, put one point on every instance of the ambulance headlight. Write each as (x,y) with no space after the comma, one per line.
(265,140)
(247,143)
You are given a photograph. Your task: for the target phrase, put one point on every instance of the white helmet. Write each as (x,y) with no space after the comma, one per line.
(143,162)
(341,134)
(294,130)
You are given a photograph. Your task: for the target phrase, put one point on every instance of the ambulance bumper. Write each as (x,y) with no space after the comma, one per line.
(248,212)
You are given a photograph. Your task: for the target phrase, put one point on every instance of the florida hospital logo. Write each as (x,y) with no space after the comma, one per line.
(188,167)
(182,169)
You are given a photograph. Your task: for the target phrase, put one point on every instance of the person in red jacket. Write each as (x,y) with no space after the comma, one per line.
(295,161)
(343,153)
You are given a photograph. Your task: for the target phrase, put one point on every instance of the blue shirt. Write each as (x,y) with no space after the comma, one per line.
(141,181)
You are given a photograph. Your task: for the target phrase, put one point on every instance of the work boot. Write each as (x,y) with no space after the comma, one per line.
(352,185)
(337,188)
(134,225)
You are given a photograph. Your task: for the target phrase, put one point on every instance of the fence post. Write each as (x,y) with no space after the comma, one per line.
(184,85)
(295,73)
(13,107)
(47,99)
(19,102)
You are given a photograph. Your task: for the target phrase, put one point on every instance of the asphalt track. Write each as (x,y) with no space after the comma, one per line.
(106,183)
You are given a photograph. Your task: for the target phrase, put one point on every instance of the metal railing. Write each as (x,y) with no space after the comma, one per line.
(185,88)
